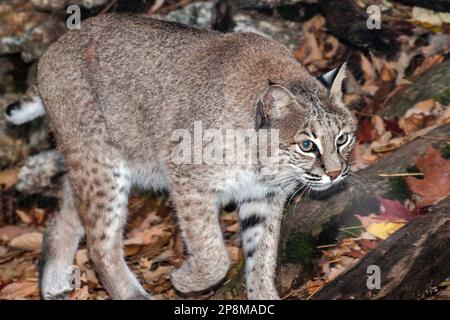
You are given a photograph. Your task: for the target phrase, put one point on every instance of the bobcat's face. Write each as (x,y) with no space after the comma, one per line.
(317,132)
(318,154)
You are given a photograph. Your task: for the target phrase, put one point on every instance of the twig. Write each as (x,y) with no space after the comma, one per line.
(315,291)
(349,232)
(437,138)
(354,227)
(400,174)
(326,246)
(108,7)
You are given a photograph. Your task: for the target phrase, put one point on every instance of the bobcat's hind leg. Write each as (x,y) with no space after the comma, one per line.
(101,181)
(198,218)
(61,239)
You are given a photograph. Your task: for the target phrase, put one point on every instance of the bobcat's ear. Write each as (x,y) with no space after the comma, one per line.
(333,80)
(274,104)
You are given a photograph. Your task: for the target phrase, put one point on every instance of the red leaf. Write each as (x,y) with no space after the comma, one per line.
(393,209)
(436,184)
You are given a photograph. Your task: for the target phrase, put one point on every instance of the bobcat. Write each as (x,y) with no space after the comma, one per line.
(115,92)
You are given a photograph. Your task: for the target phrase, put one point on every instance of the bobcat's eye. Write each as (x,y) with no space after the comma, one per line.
(342,139)
(307,145)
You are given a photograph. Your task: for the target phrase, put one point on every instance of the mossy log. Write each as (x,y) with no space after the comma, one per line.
(412,262)
(434,84)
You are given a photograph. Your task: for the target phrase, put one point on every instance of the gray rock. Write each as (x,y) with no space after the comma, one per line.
(26,31)
(201,15)
(42,174)
(197,14)
(61,4)
(286,32)
(260,4)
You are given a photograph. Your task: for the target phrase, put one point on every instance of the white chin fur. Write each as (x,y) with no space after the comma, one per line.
(28,111)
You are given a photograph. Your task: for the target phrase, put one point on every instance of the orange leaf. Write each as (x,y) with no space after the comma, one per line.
(436,184)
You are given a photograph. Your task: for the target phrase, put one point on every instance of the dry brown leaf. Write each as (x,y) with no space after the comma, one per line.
(25,217)
(427,64)
(235,227)
(80,294)
(19,290)
(81,257)
(235,254)
(396,143)
(8,178)
(387,74)
(31,241)
(436,183)
(9,232)
(155,275)
(156,235)
(415,122)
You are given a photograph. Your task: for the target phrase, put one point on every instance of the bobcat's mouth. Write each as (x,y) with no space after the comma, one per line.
(325,183)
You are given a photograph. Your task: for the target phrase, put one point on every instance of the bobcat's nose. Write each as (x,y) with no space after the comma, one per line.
(334,174)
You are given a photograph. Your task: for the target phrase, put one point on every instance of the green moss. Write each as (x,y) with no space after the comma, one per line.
(299,250)
(443,97)
(445,151)
(398,189)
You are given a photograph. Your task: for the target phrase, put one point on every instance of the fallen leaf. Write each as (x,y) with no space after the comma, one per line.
(235,254)
(156,235)
(366,131)
(235,227)
(80,294)
(384,229)
(9,232)
(393,210)
(431,17)
(19,290)
(81,257)
(155,276)
(25,217)
(29,241)
(8,178)
(436,183)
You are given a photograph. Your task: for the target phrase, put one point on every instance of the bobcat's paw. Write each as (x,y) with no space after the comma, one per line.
(55,286)
(262,295)
(192,277)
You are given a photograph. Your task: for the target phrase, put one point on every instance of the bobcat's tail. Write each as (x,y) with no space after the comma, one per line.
(25,110)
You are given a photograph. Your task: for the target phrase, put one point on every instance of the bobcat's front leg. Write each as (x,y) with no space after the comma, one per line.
(199,223)
(260,228)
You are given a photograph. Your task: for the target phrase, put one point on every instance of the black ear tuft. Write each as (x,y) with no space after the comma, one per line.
(327,78)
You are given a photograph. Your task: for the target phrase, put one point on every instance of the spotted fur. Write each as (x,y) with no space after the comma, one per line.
(116,90)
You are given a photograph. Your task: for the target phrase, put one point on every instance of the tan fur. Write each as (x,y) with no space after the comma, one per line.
(116,90)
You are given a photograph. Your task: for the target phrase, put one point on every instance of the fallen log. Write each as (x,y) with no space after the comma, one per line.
(356,34)
(412,261)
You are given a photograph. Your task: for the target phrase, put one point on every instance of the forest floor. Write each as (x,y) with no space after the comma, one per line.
(153,246)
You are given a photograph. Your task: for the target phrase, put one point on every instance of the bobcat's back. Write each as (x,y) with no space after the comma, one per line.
(135,77)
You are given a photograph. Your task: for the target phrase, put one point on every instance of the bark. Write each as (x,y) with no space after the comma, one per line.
(412,261)
(434,84)
(356,34)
